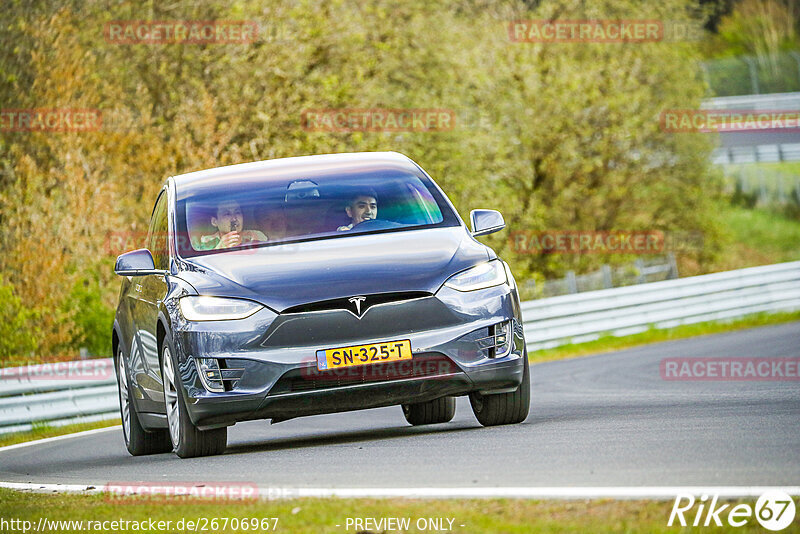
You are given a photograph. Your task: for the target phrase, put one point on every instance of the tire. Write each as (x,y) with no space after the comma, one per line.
(138,441)
(428,413)
(186,439)
(504,408)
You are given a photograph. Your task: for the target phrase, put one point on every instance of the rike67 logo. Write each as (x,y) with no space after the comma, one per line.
(774,510)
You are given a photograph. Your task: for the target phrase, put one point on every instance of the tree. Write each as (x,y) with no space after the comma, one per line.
(557,136)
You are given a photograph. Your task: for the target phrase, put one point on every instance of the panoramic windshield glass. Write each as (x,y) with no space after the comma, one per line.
(278,211)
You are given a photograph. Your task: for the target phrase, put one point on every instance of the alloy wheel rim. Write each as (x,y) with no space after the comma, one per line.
(124,399)
(171,398)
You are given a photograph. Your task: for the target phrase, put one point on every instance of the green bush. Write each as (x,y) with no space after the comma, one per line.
(740,197)
(792,208)
(18,330)
(94,318)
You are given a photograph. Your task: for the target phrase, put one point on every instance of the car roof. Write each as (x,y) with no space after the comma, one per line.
(300,167)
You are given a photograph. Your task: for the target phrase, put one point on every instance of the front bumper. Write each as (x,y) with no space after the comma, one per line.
(280,378)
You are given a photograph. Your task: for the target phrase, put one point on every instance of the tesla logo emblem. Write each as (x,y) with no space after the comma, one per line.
(357,301)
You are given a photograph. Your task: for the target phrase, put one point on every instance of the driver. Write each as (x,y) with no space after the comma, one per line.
(229,222)
(362,207)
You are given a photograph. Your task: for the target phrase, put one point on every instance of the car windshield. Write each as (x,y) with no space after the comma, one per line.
(272,211)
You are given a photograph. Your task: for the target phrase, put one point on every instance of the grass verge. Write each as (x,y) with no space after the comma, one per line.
(611,343)
(783,167)
(323,515)
(758,237)
(46,431)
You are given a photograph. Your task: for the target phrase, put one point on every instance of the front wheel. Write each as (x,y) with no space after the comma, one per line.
(187,440)
(138,441)
(504,408)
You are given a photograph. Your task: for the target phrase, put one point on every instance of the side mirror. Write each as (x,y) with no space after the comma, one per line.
(486,222)
(136,263)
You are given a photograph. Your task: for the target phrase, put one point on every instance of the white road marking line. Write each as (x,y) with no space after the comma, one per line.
(50,488)
(644,492)
(624,492)
(59,438)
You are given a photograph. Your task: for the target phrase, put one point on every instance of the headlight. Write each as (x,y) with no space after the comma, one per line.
(195,308)
(479,277)
(511,281)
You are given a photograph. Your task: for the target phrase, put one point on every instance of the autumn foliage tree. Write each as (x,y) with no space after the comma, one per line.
(556,136)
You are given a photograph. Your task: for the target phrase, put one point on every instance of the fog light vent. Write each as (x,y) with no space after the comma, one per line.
(210,374)
(216,376)
(498,342)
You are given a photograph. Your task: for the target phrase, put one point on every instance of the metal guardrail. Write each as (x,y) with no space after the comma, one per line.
(58,394)
(732,155)
(629,310)
(639,272)
(784,151)
(769,102)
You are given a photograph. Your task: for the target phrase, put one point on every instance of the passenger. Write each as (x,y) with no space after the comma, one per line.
(362,207)
(229,223)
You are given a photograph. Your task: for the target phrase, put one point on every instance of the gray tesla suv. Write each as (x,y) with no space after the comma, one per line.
(312,285)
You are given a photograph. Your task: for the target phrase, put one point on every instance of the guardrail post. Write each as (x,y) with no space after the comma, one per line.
(753,74)
(572,282)
(796,57)
(608,283)
(673,267)
(706,76)
(641,278)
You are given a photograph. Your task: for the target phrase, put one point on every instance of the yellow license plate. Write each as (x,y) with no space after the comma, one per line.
(387,351)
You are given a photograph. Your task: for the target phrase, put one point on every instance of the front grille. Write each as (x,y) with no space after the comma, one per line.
(345,304)
(310,379)
(328,326)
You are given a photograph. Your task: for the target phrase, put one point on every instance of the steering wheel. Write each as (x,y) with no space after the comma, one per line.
(376,224)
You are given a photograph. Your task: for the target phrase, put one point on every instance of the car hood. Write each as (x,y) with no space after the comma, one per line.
(284,276)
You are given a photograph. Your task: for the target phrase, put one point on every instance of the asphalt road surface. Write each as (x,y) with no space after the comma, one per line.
(606,420)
